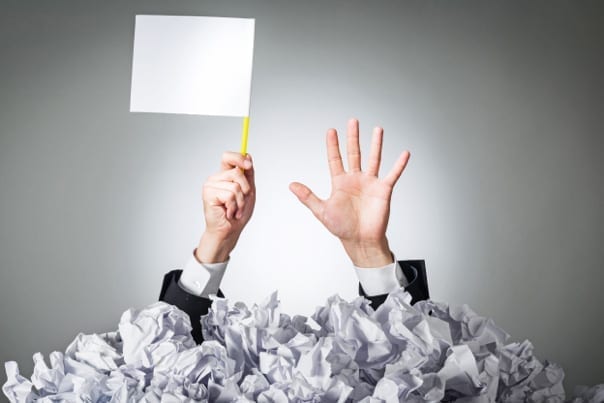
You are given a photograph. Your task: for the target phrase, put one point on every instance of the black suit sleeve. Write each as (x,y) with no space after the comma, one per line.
(415,272)
(194,306)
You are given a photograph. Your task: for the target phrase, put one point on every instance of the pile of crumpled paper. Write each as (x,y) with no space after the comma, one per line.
(346,351)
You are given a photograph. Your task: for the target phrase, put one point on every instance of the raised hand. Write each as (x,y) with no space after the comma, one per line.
(358,208)
(228,202)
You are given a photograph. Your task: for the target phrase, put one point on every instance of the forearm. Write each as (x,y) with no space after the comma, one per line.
(381,280)
(412,276)
(202,279)
(368,253)
(214,248)
(195,306)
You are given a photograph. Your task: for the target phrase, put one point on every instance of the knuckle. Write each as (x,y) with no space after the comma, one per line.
(244,186)
(236,173)
(235,187)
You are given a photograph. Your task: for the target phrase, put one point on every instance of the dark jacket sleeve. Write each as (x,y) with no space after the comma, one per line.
(193,305)
(415,272)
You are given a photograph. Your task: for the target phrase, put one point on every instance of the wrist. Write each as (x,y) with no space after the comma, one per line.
(214,249)
(369,254)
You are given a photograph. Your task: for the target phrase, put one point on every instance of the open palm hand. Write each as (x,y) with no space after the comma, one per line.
(358,208)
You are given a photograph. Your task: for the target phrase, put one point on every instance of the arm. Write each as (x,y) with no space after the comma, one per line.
(228,200)
(173,293)
(416,283)
(358,209)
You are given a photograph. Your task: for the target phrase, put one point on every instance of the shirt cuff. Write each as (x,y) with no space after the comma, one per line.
(381,280)
(202,279)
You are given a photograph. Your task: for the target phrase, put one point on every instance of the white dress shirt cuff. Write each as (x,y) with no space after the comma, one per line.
(381,280)
(202,279)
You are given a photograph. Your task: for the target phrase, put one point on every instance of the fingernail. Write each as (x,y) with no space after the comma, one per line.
(247,164)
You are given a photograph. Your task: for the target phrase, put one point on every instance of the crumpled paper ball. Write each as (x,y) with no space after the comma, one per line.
(346,351)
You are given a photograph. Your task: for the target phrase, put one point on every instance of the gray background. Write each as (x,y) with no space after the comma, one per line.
(500,104)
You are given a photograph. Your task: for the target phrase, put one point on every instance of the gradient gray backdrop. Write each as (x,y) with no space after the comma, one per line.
(500,103)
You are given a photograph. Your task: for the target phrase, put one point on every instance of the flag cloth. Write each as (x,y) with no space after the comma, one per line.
(192,65)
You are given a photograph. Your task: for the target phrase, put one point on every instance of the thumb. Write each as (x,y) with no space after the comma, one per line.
(307,197)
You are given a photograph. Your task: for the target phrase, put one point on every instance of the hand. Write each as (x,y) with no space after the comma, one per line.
(228,202)
(358,208)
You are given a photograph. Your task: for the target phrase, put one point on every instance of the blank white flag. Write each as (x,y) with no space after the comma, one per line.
(192,65)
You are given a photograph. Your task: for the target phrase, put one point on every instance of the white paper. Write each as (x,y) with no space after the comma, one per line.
(192,65)
(428,352)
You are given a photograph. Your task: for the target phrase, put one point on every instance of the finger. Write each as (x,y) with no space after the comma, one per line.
(397,169)
(231,159)
(233,175)
(333,153)
(308,198)
(249,174)
(223,198)
(375,155)
(232,187)
(352,146)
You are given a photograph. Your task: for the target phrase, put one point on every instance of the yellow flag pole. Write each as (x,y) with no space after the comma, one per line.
(244,134)
(246,119)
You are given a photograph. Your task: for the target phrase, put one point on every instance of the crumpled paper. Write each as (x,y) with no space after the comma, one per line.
(585,394)
(428,352)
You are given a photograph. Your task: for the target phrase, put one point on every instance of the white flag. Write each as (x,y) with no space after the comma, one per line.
(192,65)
